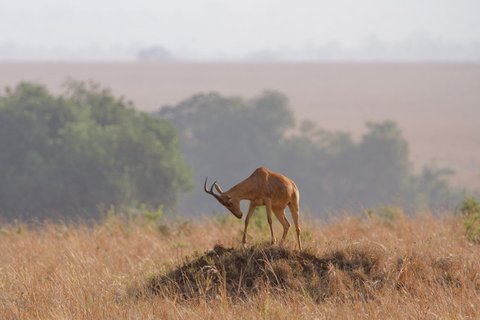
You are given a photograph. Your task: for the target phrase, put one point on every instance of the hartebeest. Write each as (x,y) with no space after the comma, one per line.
(263,187)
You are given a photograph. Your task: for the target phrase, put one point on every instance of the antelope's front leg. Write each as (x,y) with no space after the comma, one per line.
(251,209)
(268,206)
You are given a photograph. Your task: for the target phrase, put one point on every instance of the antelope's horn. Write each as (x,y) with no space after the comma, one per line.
(211,189)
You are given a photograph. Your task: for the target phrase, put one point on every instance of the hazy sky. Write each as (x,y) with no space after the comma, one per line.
(233,26)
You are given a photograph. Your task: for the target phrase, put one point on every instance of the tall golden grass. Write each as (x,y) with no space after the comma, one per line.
(427,270)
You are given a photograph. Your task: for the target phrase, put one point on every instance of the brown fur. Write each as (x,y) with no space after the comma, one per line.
(263,187)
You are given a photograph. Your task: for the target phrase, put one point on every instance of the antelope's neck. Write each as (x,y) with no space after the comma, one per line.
(241,191)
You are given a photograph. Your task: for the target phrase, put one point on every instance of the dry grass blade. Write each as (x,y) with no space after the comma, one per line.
(421,267)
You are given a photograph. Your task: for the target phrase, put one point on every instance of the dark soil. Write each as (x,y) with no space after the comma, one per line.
(353,272)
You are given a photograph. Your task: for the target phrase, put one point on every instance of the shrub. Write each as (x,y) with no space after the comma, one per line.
(470,211)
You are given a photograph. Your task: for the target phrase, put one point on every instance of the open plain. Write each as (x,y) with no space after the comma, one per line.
(363,267)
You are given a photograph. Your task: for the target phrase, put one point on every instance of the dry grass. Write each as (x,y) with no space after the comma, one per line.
(353,268)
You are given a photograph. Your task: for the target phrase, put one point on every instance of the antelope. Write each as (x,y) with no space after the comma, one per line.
(262,187)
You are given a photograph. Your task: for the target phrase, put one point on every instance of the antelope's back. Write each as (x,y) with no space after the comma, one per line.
(278,186)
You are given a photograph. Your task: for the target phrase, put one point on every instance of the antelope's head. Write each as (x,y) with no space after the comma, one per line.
(225,199)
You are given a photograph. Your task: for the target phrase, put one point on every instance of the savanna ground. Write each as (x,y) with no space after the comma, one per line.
(435,104)
(383,265)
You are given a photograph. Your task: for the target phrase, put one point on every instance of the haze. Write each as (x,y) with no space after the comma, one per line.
(218,29)
(340,64)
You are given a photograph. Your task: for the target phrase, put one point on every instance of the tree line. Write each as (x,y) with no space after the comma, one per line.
(226,138)
(72,154)
(84,150)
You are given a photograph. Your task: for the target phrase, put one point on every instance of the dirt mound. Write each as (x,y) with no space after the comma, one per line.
(235,272)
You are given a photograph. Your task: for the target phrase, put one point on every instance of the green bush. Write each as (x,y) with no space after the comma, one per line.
(470,211)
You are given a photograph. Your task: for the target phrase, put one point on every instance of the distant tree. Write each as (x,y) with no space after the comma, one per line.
(156,53)
(66,155)
(226,138)
(386,168)
(431,189)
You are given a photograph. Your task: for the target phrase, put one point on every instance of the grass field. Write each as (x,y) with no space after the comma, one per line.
(436,105)
(373,267)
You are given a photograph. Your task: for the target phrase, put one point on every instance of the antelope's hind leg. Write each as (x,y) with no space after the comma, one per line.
(280,214)
(295,216)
